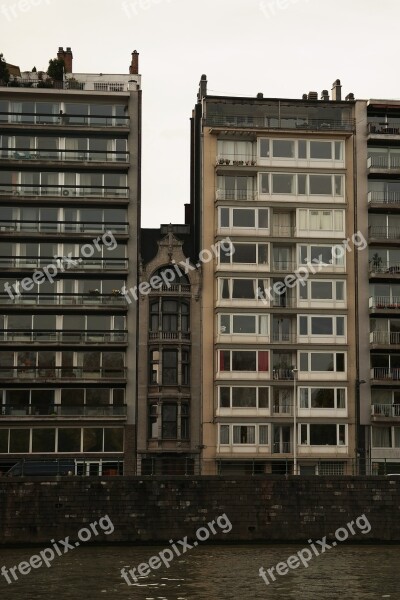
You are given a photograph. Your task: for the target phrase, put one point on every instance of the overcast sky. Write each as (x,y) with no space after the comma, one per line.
(283,49)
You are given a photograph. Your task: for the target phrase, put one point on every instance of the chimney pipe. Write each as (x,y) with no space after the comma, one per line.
(134,68)
(336,91)
(350,96)
(202,88)
(66,56)
(325,95)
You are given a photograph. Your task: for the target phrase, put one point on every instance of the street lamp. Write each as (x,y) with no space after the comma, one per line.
(294,371)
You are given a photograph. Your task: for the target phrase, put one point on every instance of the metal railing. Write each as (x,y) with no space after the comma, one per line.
(392,198)
(281,338)
(282,408)
(283,231)
(282,448)
(284,302)
(63,155)
(169,335)
(385,410)
(284,265)
(27,118)
(61,410)
(235,194)
(236,160)
(384,232)
(391,127)
(282,374)
(377,266)
(386,302)
(27,262)
(65,299)
(64,337)
(63,190)
(40,373)
(384,162)
(266,122)
(175,288)
(379,373)
(22,226)
(385,338)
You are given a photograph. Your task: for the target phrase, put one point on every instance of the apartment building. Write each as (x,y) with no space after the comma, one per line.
(378,158)
(69,222)
(169,392)
(276,176)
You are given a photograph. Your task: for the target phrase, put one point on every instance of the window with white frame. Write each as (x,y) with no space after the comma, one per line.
(323,290)
(242,324)
(323,150)
(244,218)
(301,184)
(385,437)
(322,255)
(321,220)
(326,398)
(235,150)
(321,325)
(243,360)
(243,434)
(244,253)
(242,289)
(323,434)
(323,362)
(243,397)
(235,187)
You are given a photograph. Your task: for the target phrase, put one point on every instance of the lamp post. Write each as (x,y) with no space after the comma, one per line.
(294,371)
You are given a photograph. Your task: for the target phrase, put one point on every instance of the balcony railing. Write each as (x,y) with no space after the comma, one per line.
(385,410)
(283,338)
(236,194)
(284,265)
(384,162)
(384,373)
(26,118)
(283,302)
(61,410)
(169,335)
(65,299)
(389,128)
(174,288)
(282,448)
(283,231)
(384,232)
(385,302)
(44,373)
(282,408)
(63,155)
(389,198)
(385,338)
(392,268)
(64,337)
(282,374)
(73,263)
(20,226)
(63,190)
(236,160)
(266,122)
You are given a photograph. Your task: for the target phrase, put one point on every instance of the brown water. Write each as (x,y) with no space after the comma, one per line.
(208,573)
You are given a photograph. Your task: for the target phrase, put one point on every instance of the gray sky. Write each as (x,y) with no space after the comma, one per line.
(288,48)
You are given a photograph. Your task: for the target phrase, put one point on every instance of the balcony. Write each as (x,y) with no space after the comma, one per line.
(173,288)
(282,374)
(23,263)
(282,448)
(383,303)
(39,374)
(385,373)
(61,120)
(235,195)
(384,164)
(265,122)
(376,128)
(384,338)
(283,338)
(381,412)
(169,336)
(384,199)
(283,266)
(285,231)
(63,337)
(384,232)
(66,228)
(380,267)
(39,156)
(282,409)
(283,302)
(63,190)
(235,160)
(53,411)
(76,300)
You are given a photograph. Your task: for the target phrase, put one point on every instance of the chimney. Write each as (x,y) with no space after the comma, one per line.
(313,95)
(134,68)
(350,96)
(260,95)
(336,91)
(325,95)
(304,97)
(66,56)
(202,88)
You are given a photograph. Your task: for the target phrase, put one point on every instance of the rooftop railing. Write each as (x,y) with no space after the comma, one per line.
(266,122)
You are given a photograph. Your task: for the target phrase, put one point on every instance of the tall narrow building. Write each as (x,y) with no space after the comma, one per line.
(276,177)
(69,222)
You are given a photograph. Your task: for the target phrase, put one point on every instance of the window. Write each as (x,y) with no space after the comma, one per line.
(321,150)
(318,325)
(243,324)
(170,367)
(283,183)
(174,420)
(167,371)
(243,360)
(322,361)
(329,398)
(235,188)
(169,315)
(243,434)
(322,255)
(283,149)
(245,254)
(243,397)
(169,421)
(248,218)
(241,289)
(322,290)
(323,434)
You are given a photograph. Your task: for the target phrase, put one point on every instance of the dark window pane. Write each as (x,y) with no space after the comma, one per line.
(69,440)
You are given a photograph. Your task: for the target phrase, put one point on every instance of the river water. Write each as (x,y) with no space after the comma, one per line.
(208,573)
